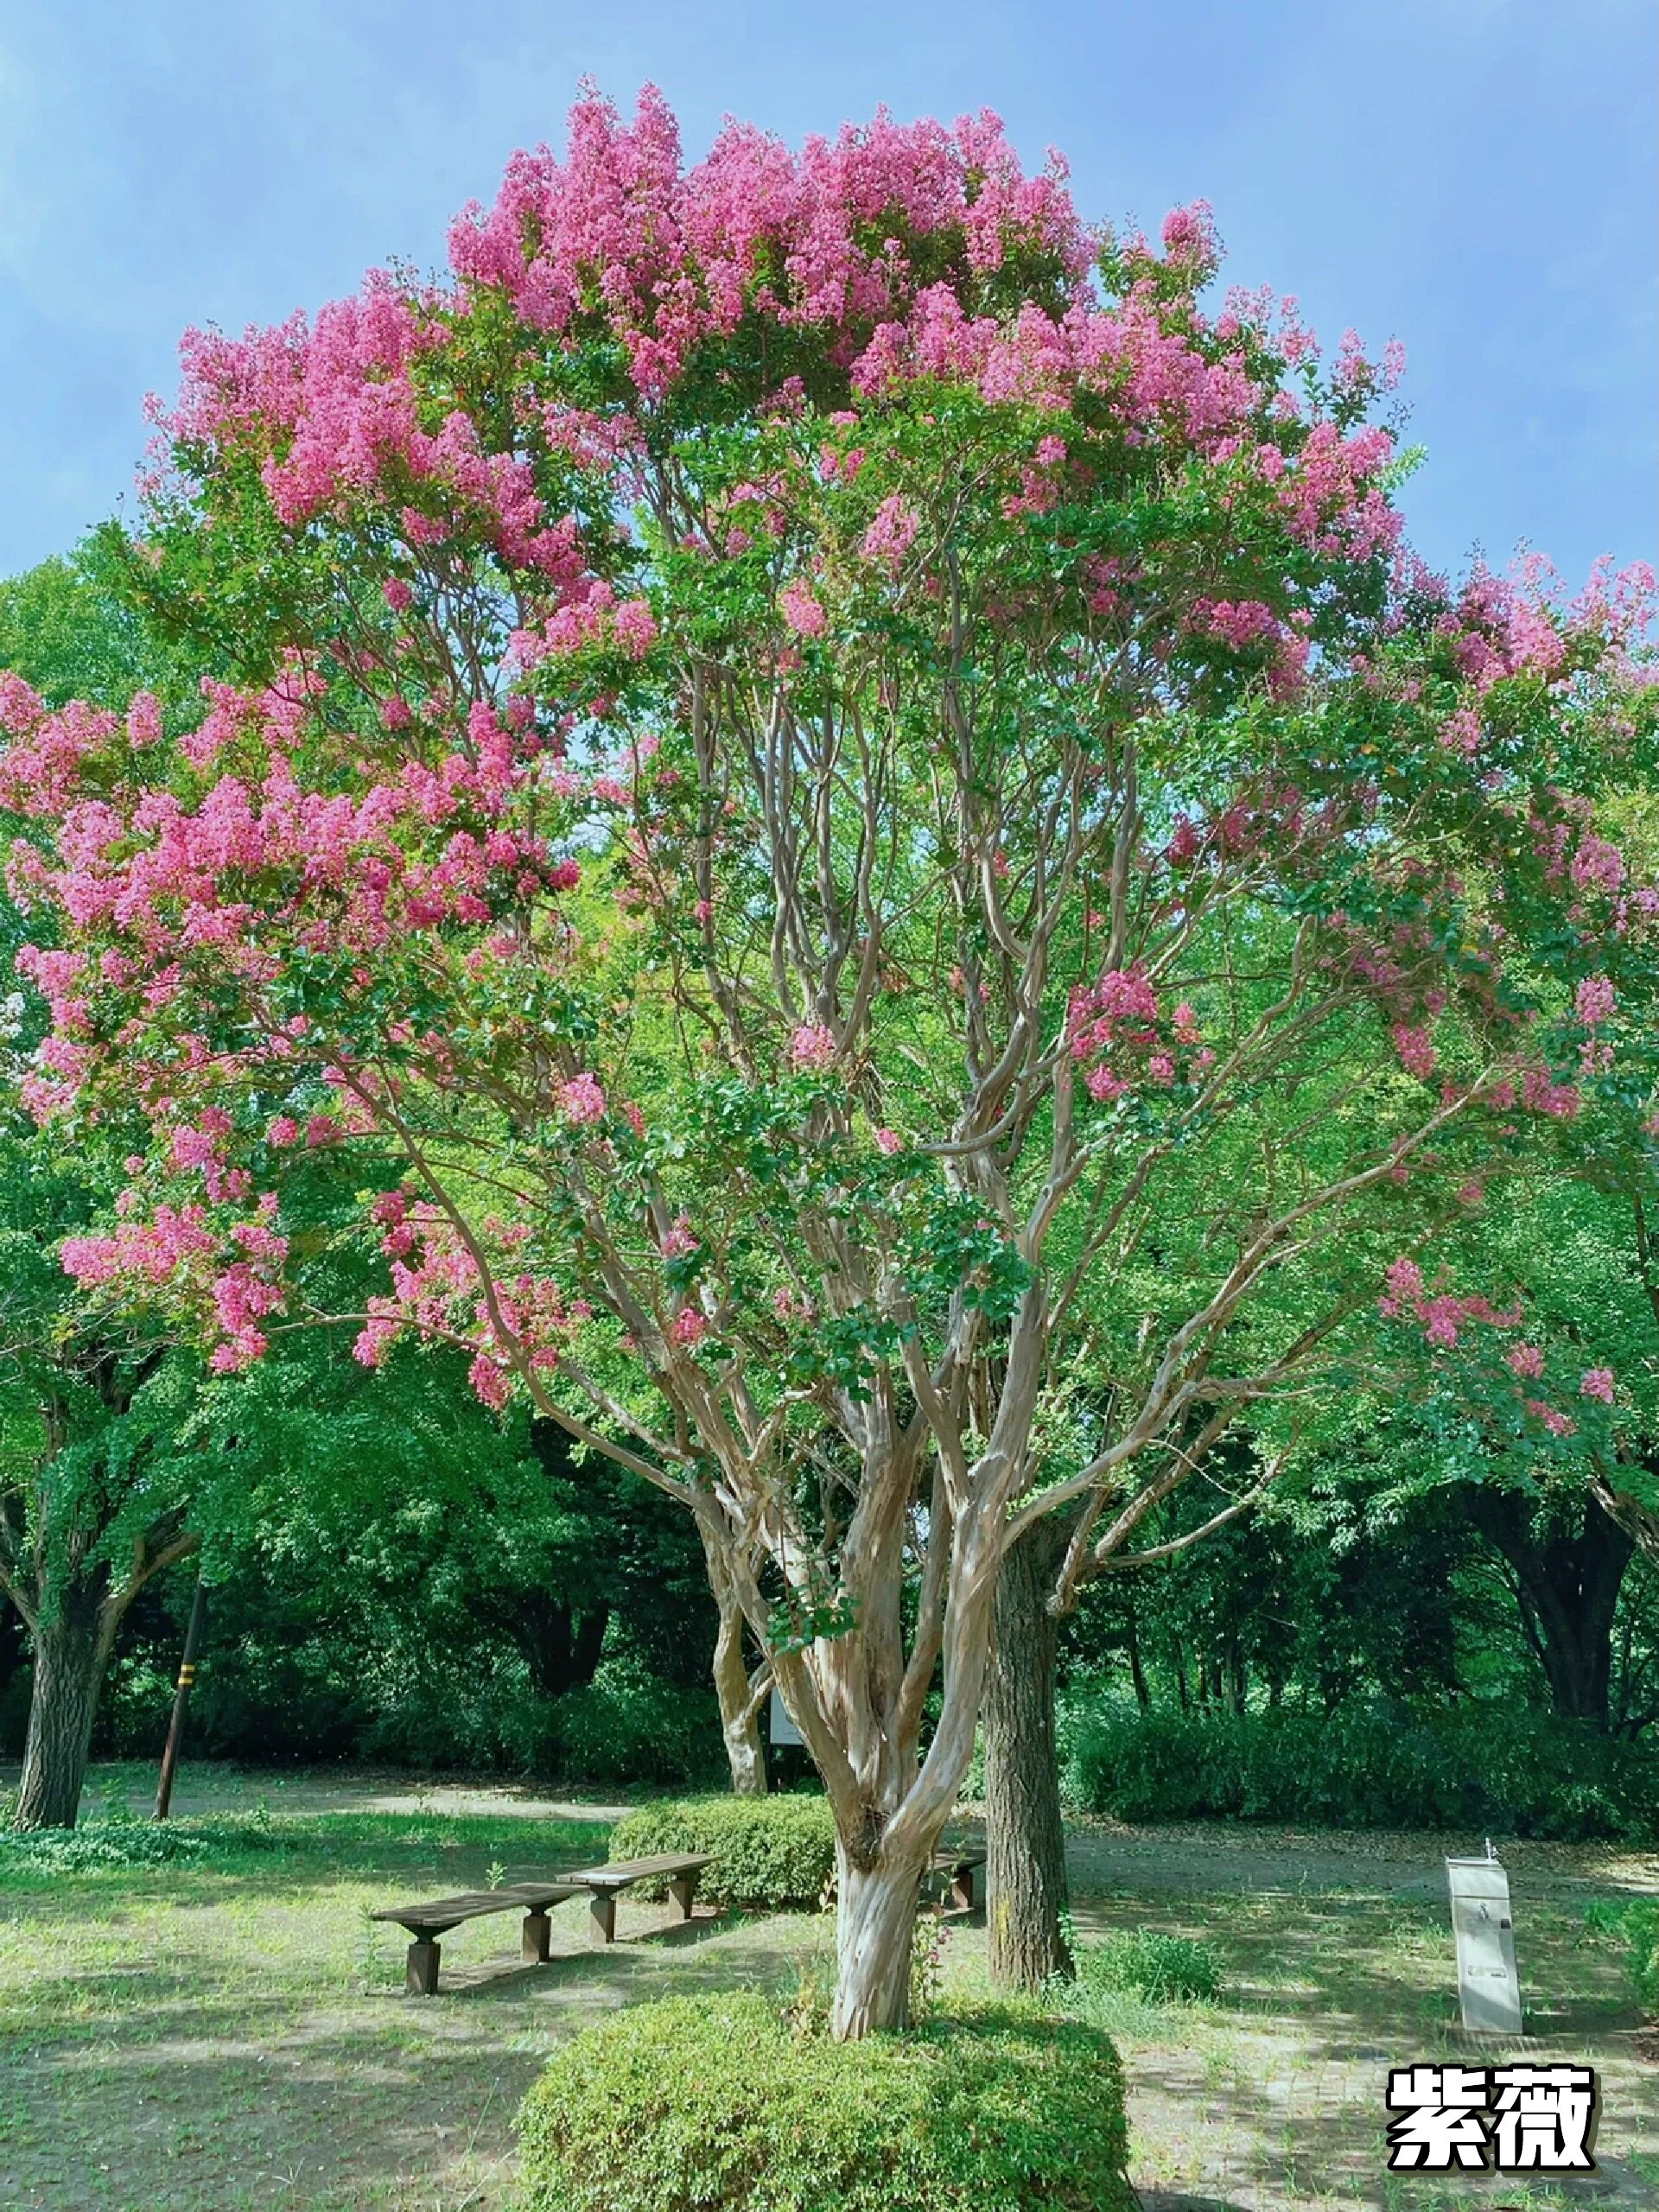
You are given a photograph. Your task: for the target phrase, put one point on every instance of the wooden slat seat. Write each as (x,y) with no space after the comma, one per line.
(436,1915)
(605,1883)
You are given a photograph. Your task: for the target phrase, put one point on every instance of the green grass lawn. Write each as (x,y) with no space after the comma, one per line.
(228,2030)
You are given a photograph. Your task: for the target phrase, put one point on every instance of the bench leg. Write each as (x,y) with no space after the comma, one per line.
(683,1888)
(537,1942)
(421,1971)
(962,1888)
(601,1922)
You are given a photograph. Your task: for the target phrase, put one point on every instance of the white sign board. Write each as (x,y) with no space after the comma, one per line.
(779,1727)
(1488,1984)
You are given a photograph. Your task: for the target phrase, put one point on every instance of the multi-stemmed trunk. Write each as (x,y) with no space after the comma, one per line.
(740,1714)
(71,1654)
(890,1801)
(1025,1895)
(1567,1585)
(740,1693)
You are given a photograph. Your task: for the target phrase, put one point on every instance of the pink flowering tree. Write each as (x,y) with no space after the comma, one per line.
(814,763)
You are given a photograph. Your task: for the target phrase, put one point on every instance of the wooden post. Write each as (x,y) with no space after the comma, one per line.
(181,1698)
(421,1971)
(961,1888)
(602,1916)
(683,1888)
(535,1945)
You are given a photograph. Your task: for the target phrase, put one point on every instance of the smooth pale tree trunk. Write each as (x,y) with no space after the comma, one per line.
(1026,1894)
(741,1696)
(740,1716)
(876,1923)
(71,1654)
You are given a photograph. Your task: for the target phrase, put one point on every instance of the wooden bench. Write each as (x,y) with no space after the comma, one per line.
(426,1923)
(604,1882)
(959,1864)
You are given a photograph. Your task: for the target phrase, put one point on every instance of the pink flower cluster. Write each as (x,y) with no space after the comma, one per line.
(338,413)
(1116,1028)
(812,1049)
(802,609)
(1416,1049)
(892,533)
(437,1292)
(236,1273)
(1248,624)
(590,615)
(583,1100)
(1442,1314)
(1443,1317)
(617,236)
(171,880)
(901,245)
(1333,500)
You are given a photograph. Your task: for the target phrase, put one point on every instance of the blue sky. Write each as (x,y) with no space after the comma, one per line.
(1478,177)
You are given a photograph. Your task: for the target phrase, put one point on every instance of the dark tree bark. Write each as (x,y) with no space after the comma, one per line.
(1567,1586)
(1025,1885)
(72,1622)
(1137,1671)
(561,1646)
(70,1657)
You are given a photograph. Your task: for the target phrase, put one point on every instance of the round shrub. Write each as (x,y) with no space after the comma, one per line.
(774,1852)
(711,2101)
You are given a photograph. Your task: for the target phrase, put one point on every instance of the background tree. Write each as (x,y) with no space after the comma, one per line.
(94,1488)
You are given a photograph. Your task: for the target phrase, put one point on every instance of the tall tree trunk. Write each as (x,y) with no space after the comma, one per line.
(70,1657)
(1137,1670)
(1026,1888)
(876,1924)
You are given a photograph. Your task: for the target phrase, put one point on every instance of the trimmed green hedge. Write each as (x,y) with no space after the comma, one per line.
(712,2102)
(777,1852)
(1474,1765)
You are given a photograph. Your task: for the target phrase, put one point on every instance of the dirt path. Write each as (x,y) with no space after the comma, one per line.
(1192,1859)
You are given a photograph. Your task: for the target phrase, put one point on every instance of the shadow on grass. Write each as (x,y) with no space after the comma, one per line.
(1361,1978)
(326,2119)
(215,2101)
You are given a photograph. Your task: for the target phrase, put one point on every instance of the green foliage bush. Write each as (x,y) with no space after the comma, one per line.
(713,2102)
(114,1843)
(1475,1765)
(625,1726)
(1162,1969)
(118,1840)
(1635,1923)
(777,1852)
